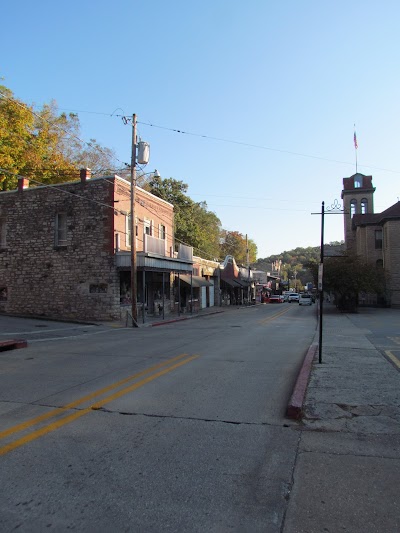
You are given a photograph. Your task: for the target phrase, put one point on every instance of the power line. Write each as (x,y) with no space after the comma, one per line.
(54,125)
(232,141)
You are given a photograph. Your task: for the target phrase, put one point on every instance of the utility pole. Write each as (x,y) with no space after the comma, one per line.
(321,284)
(248,270)
(133,227)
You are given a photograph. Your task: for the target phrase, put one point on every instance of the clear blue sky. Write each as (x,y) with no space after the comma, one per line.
(284,81)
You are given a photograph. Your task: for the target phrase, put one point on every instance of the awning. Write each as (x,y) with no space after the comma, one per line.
(197,281)
(233,283)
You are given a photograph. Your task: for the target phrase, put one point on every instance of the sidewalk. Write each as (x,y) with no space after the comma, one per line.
(347,472)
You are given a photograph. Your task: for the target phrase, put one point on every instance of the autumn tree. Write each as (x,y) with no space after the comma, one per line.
(43,145)
(234,243)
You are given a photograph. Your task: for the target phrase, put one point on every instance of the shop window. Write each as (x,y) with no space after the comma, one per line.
(378,239)
(61,229)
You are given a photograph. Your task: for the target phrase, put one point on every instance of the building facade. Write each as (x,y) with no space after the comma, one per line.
(65,250)
(373,236)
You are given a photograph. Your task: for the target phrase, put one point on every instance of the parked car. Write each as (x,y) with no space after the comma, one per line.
(275,299)
(293,297)
(305,299)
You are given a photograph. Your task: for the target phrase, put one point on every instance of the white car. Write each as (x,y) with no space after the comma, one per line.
(293,297)
(305,299)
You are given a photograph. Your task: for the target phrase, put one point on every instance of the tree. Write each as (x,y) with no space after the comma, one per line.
(194,224)
(347,276)
(43,145)
(234,243)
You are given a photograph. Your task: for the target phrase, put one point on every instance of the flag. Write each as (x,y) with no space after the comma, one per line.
(355,141)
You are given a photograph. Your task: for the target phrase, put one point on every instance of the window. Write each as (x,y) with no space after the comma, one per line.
(161,232)
(353,207)
(357,181)
(364,206)
(61,229)
(147,226)
(379,263)
(378,239)
(128,230)
(3,232)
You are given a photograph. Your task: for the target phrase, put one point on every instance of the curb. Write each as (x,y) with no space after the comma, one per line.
(295,406)
(180,319)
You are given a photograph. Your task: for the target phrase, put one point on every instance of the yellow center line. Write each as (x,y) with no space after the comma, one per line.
(277,315)
(70,418)
(60,410)
(393,358)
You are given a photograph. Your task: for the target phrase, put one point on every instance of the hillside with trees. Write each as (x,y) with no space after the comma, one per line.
(296,264)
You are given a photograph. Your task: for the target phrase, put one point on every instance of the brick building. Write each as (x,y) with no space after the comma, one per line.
(373,236)
(65,250)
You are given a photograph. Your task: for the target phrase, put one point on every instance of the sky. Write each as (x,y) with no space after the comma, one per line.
(251,104)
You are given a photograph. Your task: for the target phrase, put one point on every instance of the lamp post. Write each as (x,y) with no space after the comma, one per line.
(334,209)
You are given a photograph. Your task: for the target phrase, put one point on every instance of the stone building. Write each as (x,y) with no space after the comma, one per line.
(65,250)
(373,236)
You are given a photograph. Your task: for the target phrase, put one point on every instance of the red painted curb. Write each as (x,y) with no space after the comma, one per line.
(295,407)
(12,344)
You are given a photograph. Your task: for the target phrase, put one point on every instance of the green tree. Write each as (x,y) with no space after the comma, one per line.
(194,224)
(346,276)
(349,275)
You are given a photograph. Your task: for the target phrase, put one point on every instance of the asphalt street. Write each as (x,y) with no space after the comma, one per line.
(174,428)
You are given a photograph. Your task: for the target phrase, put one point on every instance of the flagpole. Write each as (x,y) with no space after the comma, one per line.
(355,146)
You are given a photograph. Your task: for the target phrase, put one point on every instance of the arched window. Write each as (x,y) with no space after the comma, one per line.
(358,181)
(364,206)
(353,207)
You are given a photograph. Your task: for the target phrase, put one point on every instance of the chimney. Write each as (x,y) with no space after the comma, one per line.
(23,183)
(85,174)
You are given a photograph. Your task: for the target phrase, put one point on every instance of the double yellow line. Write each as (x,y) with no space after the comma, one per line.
(276,315)
(152,373)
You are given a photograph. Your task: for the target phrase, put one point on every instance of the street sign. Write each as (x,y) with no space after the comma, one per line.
(320,275)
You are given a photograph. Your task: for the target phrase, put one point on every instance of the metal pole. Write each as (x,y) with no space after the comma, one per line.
(133,227)
(163,296)
(144,291)
(321,293)
(191,293)
(179,295)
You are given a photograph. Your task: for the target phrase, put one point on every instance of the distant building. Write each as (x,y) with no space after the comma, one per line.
(373,236)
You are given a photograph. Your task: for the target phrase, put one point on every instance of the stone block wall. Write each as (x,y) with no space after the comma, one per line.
(76,281)
(391,254)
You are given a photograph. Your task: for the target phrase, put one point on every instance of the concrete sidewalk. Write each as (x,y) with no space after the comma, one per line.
(347,471)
